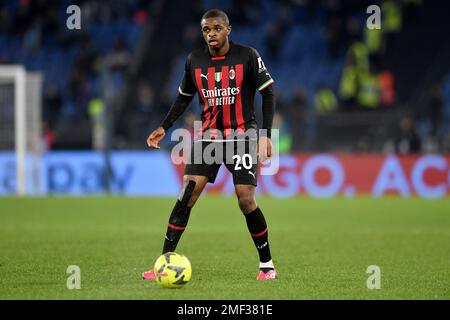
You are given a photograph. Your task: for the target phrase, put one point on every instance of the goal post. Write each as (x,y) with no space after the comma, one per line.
(20,124)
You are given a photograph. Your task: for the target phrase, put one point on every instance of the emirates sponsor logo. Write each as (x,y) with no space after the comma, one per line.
(220,97)
(217,92)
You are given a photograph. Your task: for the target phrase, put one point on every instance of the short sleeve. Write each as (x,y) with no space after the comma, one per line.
(187,86)
(261,75)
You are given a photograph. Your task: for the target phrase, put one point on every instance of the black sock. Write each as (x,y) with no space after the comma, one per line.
(177,223)
(258,230)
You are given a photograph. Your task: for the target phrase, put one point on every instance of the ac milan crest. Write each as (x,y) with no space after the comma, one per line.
(232,74)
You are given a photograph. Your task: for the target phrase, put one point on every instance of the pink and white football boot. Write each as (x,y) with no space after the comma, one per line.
(149,275)
(269,275)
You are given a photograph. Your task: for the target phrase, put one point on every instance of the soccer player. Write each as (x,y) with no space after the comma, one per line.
(226,76)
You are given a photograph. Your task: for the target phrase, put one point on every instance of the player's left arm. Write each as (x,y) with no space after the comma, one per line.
(264,84)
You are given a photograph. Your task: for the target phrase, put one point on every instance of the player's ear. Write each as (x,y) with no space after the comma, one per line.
(228,30)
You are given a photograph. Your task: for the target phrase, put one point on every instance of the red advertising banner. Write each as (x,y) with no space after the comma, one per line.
(329,175)
(316,175)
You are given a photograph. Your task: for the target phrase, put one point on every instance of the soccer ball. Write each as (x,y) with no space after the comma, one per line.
(172,270)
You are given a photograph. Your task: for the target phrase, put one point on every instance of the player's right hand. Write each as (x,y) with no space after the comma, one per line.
(155,137)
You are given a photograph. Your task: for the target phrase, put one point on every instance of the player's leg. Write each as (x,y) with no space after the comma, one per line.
(244,169)
(197,173)
(192,188)
(196,176)
(257,226)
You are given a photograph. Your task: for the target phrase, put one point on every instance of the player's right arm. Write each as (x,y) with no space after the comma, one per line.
(185,95)
(177,109)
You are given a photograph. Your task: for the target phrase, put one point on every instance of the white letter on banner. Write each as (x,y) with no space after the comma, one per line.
(287,174)
(422,189)
(391,177)
(336,172)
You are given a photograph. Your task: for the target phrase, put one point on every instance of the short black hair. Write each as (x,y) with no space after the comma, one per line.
(214,13)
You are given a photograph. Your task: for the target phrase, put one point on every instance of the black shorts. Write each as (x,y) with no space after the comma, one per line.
(240,158)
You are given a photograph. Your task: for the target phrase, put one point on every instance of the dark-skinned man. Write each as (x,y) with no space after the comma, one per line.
(226,76)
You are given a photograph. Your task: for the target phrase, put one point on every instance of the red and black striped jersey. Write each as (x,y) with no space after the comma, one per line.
(226,86)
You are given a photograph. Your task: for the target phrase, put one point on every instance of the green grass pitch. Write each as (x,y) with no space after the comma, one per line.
(321,248)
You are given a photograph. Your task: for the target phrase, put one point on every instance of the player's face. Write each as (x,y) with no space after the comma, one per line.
(215,32)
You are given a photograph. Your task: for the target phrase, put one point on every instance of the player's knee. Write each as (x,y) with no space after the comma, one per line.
(247,203)
(195,193)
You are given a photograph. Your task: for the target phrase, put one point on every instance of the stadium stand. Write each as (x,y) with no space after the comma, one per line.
(309,46)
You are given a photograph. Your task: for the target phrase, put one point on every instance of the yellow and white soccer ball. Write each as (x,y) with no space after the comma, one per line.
(172,270)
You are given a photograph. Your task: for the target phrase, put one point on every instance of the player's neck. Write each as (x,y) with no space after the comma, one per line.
(220,52)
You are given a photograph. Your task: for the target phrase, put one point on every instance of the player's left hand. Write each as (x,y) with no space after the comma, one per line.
(264,148)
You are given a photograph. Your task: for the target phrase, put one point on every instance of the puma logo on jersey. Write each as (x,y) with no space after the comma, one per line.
(252,174)
(204,76)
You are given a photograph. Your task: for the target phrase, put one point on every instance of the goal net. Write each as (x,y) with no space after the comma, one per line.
(20,126)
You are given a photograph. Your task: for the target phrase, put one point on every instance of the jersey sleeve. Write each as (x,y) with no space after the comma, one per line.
(260,73)
(187,86)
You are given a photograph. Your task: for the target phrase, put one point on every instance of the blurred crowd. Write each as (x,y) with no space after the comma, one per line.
(71,60)
(367,80)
